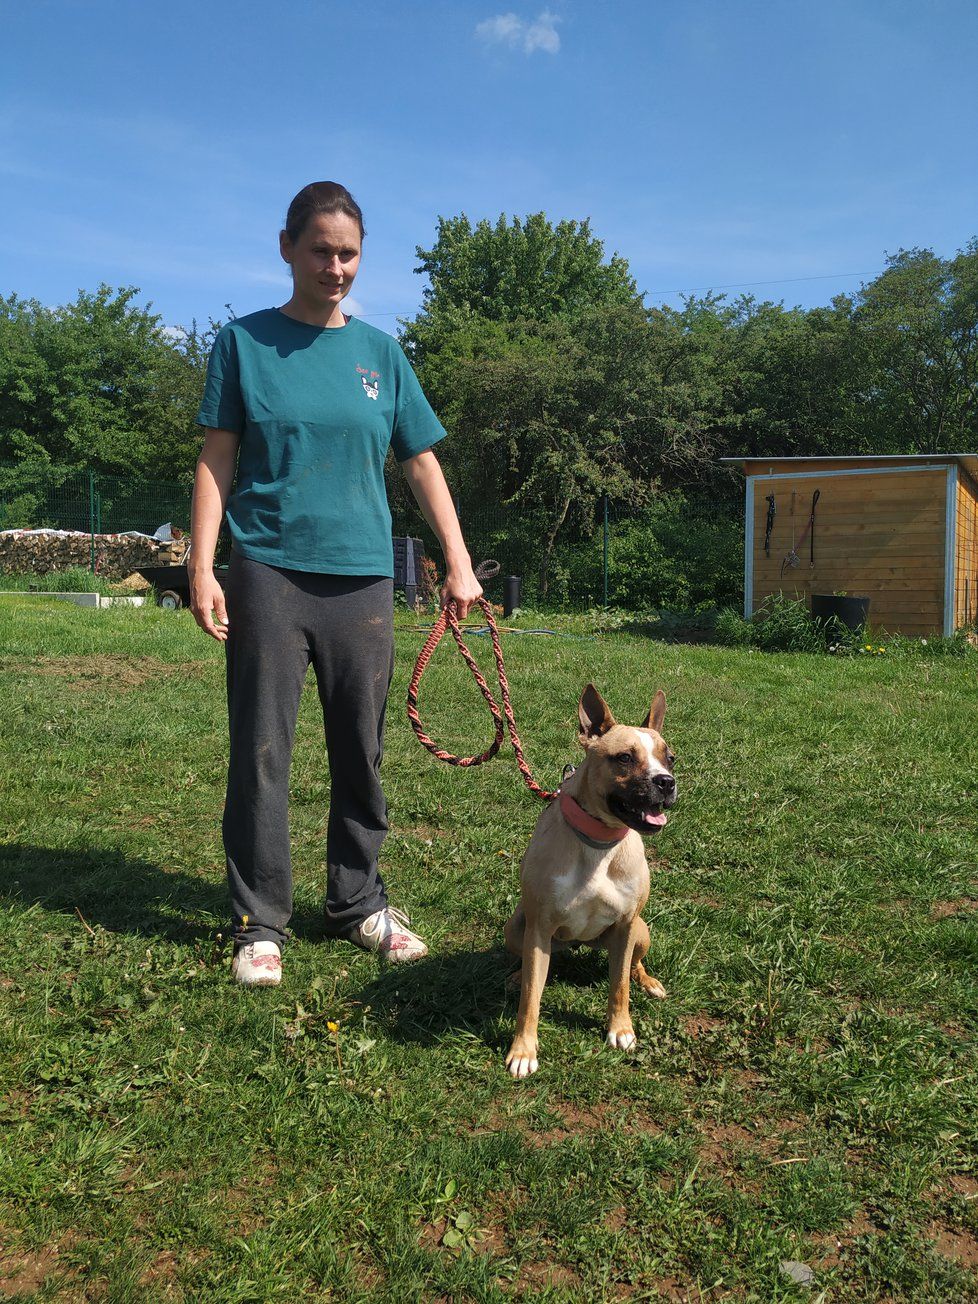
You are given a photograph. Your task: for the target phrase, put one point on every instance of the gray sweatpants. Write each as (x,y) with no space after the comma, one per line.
(280,621)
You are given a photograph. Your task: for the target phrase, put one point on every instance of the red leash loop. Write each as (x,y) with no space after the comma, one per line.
(448,620)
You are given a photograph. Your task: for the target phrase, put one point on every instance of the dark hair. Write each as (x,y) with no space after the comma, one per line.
(320,197)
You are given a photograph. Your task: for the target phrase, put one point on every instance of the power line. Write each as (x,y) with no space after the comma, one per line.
(743,285)
(693,289)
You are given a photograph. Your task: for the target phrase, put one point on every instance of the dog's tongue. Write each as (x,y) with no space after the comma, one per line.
(654,821)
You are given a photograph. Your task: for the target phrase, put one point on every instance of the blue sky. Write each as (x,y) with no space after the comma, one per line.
(712,143)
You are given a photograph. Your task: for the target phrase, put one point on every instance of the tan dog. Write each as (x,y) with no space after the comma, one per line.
(584,876)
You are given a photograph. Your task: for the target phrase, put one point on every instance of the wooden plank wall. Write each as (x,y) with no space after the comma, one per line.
(879,536)
(966,553)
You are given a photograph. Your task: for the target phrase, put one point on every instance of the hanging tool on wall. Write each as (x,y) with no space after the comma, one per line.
(772,511)
(792,559)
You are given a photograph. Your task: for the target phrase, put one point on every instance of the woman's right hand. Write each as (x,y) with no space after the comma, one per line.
(208,605)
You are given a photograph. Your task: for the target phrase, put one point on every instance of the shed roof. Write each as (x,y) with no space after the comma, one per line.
(969,461)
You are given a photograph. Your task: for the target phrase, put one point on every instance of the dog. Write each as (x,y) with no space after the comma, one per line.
(584,876)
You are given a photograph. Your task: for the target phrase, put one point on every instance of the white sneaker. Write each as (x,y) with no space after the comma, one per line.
(259,964)
(386,932)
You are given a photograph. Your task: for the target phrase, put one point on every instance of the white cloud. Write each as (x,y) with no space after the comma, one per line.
(518,34)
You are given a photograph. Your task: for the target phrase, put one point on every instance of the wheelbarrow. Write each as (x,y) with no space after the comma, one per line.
(172,584)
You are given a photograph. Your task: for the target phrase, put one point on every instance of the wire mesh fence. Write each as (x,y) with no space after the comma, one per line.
(90,502)
(675,554)
(93,503)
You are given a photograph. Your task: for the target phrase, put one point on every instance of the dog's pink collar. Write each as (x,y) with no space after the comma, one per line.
(586,826)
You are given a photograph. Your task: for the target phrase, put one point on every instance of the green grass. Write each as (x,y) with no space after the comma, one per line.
(808,1092)
(76,579)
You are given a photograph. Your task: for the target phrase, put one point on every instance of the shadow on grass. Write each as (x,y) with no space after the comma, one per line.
(673,629)
(470,991)
(112,890)
(440,995)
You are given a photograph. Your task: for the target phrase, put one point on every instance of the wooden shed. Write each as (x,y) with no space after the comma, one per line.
(901,531)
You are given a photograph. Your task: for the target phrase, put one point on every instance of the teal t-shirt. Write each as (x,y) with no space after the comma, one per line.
(317,409)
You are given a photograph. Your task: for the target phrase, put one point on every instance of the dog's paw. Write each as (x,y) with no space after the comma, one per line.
(649,985)
(522,1060)
(624,1039)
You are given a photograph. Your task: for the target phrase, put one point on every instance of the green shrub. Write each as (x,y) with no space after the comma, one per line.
(732,629)
(677,555)
(785,624)
(780,624)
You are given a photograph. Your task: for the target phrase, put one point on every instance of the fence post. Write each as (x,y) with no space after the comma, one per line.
(91,514)
(604,566)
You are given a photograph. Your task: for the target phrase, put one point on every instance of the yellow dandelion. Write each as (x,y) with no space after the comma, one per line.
(332,1025)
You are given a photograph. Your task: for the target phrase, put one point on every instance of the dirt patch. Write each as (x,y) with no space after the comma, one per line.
(249,1202)
(830,1250)
(959,1246)
(966,1186)
(15,1104)
(861,1225)
(535,1277)
(672,1289)
(700,1025)
(166,1266)
(945,909)
(423,832)
(582,1117)
(432,1232)
(615,1219)
(722,1142)
(25,1272)
(483,1240)
(573,1119)
(122,671)
(953,1029)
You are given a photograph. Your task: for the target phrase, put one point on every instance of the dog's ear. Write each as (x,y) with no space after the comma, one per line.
(595,717)
(657,712)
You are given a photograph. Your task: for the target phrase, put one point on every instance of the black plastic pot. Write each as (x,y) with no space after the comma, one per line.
(851,612)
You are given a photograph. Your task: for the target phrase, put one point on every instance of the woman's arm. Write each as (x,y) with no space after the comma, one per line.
(427,482)
(212,484)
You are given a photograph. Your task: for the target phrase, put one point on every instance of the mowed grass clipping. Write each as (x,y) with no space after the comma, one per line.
(806,1095)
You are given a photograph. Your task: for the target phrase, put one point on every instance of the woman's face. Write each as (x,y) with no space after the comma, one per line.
(324,260)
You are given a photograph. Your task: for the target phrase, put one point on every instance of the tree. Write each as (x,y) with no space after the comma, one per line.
(523,269)
(543,419)
(795,377)
(98,384)
(919,324)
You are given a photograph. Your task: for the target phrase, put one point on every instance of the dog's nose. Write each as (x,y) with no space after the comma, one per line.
(665,783)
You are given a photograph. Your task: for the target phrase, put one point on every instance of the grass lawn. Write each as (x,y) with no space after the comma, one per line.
(807,1093)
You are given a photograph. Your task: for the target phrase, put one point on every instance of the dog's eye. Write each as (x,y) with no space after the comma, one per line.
(670,758)
(624,758)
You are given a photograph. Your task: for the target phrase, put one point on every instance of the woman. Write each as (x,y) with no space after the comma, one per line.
(301,405)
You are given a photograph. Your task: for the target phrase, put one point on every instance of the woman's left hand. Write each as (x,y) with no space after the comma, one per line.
(462,588)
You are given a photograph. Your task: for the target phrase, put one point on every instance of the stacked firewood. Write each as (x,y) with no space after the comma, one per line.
(36,552)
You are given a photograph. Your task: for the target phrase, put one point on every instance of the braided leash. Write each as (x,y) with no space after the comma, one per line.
(449,621)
